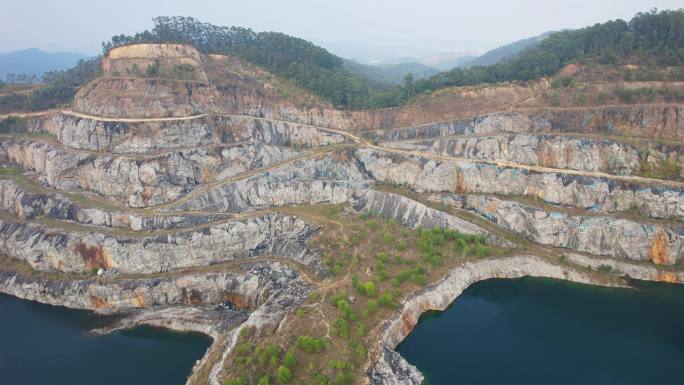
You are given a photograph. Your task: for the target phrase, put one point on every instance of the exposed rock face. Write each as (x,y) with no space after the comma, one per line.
(27,205)
(143,136)
(136,60)
(211,303)
(651,121)
(195,148)
(414,214)
(147,98)
(450,104)
(392,369)
(307,181)
(125,294)
(615,237)
(139,182)
(81,252)
(428,175)
(585,154)
(642,272)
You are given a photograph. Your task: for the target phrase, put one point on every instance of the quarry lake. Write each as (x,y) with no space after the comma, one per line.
(41,344)
(538,331)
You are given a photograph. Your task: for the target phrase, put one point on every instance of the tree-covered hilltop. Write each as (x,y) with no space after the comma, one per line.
(59,88)
(297,60)
(651,38)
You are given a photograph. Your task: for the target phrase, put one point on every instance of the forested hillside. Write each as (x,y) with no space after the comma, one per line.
(505,51)
(651,38)
(390,74)
(295,59)
(59,88)
(33,61)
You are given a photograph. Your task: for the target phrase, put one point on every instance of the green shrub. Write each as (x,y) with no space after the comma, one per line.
(284,375)
(152,69)
(310,345)
(386,300)
(236,381)
(290,361)
(382,257)
(320,379)
(382,275)
(268,355)
(481,250)
(341,328)
(372,306)
(419,279)
(369,289)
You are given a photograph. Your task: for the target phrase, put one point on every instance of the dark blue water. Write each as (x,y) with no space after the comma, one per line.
(46,345)
(537,331)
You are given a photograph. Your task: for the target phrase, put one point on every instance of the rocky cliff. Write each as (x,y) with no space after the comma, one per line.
(391,369)
(650,121)
(555,151)
(200,192)
(424,174)
(84,251)
(599,235)
(139,181)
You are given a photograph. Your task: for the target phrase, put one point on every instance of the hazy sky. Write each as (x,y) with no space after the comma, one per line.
(347,27)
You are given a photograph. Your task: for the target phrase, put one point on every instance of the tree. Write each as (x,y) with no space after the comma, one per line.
(408,85)
(284,375)
(654,35)
(309,345)
(369,289)
(153,69)
(289,360)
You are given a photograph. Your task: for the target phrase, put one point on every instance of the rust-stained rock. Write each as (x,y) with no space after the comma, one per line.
(139,299)
(237,300)
(407,322)
(659,252)
(191,296)
(668,276)
(93,256)
(97,302)
(492,206)
(461,187)
(547,155)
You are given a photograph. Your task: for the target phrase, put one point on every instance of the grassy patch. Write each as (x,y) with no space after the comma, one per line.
(665,169)
(369,274)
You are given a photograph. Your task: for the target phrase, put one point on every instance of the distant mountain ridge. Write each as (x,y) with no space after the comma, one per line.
(505,51)
(390,73)
(36,62)
(452,63)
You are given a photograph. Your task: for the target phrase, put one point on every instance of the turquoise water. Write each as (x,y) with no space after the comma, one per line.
(538,331)
(46,345)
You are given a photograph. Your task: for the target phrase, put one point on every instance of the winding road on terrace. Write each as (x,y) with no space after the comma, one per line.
(365,143)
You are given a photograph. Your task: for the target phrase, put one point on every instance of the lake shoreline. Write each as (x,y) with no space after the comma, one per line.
(393,369)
